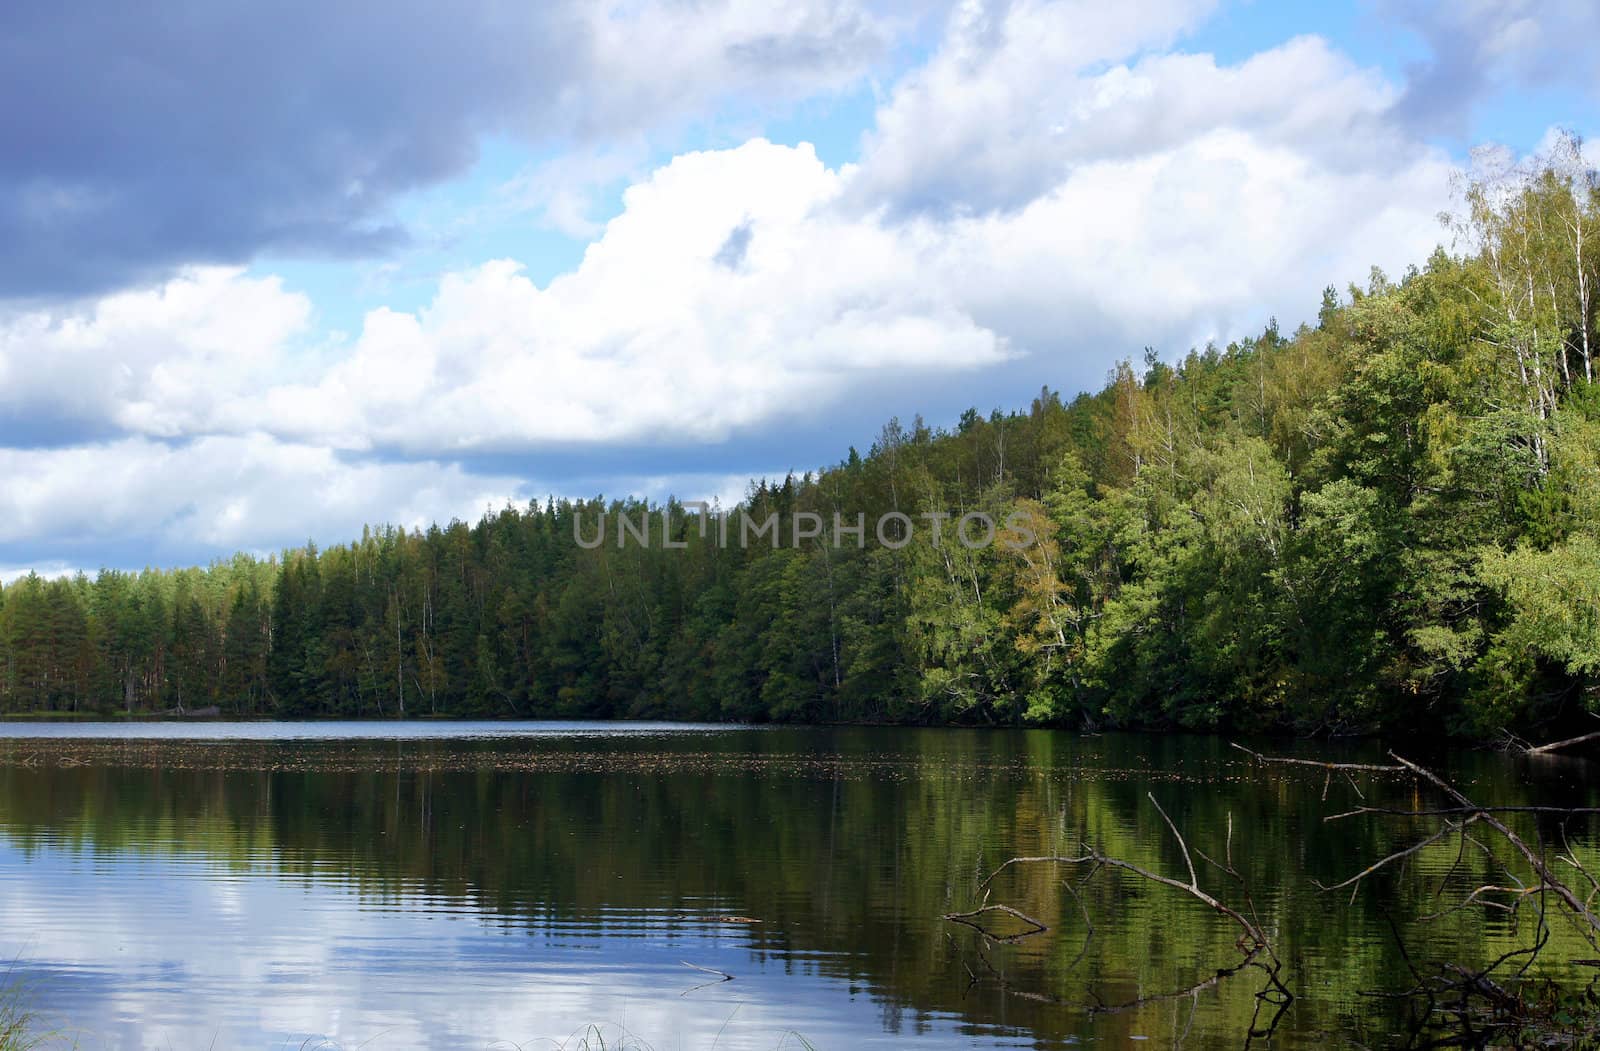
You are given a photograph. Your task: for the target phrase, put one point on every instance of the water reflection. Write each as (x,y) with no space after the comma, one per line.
(453,891)
(187,954)
(350,730)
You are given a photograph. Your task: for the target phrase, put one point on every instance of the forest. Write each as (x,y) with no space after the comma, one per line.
(1384,520)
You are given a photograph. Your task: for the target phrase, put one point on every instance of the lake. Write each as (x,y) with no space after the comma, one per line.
(380,885)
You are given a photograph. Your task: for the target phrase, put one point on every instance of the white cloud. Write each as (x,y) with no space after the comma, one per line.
(225,492)
(1014,101)
(51,570)
(1197,242)
(664,332)
(1168,202)
(160,361)
(990,109)
(561,191)
(655,335)
(660,332)
(1046,184)
(651,59)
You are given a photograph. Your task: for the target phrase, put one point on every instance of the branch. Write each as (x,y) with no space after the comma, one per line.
(1381,768)
(1194,881)
(1447,811)
(1555,746)
(1251,930)
(722,976)
(1396,856)
(966,920)
(1036,860)
(1535,862)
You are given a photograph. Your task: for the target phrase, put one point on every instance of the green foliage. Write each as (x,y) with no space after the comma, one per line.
(1389,519)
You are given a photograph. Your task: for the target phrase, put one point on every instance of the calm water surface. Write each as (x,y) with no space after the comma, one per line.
(499,884)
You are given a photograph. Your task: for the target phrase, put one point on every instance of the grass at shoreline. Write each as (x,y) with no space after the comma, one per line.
(18,1026)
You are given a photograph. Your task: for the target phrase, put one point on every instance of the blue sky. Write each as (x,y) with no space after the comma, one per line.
(268,275)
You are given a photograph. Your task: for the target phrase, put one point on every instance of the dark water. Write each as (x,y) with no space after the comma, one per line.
(461,885)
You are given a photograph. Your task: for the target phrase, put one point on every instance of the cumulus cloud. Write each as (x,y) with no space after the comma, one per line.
(1015,99)
(654,336)
(165,361)
(1167,202)
(1050,191)
(223,493)
(1199,242)
(141,139)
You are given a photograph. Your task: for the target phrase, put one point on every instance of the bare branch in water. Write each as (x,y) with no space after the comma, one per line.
(1396,856)
(722,976)
(1377,768)
(1252,942)
(1556,746)
(1452,999)
(969,919)
(1580,910)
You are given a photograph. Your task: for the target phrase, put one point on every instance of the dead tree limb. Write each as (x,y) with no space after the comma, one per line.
(1465,1003)
(1252,942)
(722,976)
(1556,746)
(969,919)
(1251,931)
(1376,768)
(1450,811)
(1581,912)
(1396,856)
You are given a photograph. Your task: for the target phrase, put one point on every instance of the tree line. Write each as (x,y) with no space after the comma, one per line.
(1385,519)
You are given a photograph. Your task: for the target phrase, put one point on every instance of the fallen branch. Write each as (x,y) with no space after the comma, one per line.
(1448,811)
(1464,1006)
(1579,909)
(1556,746)
(1252,942)
(1251,931)
(1396,856)
(722,976)
(1380,768)
(967,919)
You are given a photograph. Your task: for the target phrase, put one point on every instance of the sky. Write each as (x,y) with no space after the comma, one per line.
(269,273)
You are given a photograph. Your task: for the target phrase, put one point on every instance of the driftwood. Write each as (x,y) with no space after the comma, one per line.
(1515,743)
(1252,932)
(1471,812)
(1382,768)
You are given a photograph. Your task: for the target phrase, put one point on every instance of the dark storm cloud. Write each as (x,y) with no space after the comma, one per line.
(136,137)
